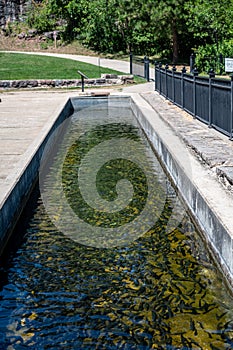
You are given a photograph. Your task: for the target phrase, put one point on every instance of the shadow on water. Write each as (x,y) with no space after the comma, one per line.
(161,291)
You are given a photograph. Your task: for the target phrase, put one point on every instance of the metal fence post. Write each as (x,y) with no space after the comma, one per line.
(130,63)
(221,63)
(182,86)
(195,74)
(211,75)
(156,80)
(146,68)
(173,82)
(160,66)
(231,124)
(166,87)
(192,62)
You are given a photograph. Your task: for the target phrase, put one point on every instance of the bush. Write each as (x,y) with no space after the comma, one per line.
(39,17)
(208,56)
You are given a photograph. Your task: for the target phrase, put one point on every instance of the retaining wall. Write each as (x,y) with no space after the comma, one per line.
(105,80)
(207,202)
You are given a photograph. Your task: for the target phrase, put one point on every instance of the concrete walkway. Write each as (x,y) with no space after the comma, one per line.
(23,116)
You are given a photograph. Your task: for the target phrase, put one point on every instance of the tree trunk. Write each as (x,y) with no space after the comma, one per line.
(175,43)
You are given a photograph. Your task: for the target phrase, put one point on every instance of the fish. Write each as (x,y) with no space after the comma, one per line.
(193,328)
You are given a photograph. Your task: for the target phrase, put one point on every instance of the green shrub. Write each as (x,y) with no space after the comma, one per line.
(208,56)
(40,18)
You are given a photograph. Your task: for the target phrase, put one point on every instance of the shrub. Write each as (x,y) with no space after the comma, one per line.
(208,56)
(40,18)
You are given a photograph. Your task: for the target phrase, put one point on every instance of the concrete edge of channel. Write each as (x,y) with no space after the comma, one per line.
(209,204)
(19,183)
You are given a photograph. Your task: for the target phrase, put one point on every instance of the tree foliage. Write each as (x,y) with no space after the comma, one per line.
(210,21)
(39,17)
(169,28)
(212,27)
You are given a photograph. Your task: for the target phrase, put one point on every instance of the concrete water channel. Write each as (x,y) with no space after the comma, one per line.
(210,206)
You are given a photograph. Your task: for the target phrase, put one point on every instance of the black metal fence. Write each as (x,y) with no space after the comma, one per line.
(140,66)
(206,98)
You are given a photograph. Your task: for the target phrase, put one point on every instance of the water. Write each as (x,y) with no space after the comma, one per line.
(159,290)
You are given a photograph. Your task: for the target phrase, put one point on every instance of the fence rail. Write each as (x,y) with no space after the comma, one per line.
(206,98)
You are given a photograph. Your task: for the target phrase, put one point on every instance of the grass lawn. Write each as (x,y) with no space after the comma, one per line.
(17,66)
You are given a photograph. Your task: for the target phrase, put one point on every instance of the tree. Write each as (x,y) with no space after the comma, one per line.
(145,27)
(132,20)
(170,28)
(210,21)
(39,16)
(74,12)
(211,25)
(169,21)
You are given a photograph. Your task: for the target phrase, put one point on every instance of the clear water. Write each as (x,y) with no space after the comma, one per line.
(159,290)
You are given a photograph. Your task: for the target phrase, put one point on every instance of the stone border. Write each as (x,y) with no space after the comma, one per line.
(105,80)
(212,149)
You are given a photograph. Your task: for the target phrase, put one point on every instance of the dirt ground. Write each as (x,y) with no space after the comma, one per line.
(36,44)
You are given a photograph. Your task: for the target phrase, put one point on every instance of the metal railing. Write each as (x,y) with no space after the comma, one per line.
(83,76)
(206,98)
(140,66)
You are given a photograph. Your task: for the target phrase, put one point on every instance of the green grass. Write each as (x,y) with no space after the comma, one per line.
(16,66)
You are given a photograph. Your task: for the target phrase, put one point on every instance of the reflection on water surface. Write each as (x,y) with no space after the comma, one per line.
(160,291)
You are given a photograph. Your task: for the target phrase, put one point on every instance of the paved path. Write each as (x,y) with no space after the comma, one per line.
(23,118)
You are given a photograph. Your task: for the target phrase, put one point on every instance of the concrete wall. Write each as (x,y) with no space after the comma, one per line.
(207,202)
